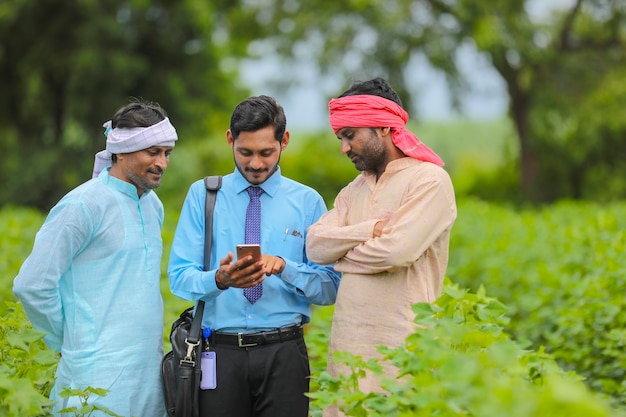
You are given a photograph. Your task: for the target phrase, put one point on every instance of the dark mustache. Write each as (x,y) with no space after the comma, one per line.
(156,170)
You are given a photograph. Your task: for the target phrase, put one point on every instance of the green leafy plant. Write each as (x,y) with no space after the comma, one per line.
(560,269)
(460,362)
(86,409)
(26,366)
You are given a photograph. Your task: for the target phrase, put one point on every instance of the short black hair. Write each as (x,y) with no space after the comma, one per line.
(257,112)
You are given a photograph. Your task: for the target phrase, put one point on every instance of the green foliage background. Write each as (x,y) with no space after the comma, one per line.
(563,69)
(75,62)
(577,319)
(562,271)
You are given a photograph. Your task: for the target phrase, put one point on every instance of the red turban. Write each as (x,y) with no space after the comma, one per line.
(375,111)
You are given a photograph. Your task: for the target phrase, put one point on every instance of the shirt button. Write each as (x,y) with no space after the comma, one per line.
(249,317)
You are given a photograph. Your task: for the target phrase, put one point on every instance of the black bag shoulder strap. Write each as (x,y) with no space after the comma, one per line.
(212,184)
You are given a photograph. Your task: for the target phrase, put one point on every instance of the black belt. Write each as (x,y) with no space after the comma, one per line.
(255,339)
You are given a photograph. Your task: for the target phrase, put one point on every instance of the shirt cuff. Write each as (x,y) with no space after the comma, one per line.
(210,284)
(290,272)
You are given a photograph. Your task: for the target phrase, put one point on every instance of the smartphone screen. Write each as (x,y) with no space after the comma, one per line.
(249,249)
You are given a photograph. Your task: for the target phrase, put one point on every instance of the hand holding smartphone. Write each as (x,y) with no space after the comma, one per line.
(249,249)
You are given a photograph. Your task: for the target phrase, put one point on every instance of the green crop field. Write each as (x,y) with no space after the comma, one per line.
(532,321)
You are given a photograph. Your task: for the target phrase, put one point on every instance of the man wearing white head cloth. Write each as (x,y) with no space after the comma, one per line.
(92,281)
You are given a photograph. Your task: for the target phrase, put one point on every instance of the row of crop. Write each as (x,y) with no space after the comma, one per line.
(558,269)
(459,362)
(562,270)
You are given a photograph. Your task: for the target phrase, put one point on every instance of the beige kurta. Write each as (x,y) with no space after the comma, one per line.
(384,276)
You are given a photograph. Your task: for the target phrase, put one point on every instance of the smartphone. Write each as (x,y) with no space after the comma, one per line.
(249,249)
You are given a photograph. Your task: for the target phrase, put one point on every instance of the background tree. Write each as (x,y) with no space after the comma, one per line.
(554,66)
(67,65)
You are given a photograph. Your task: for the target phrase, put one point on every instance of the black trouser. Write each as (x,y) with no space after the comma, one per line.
(262,381)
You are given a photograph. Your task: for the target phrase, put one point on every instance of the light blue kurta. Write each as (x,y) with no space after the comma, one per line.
(92,284)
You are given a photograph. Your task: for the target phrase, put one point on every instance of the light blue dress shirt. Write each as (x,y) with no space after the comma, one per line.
(91,284)
(288,208)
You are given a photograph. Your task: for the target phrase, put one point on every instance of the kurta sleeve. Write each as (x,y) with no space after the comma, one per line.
(65,232)
(427,210)
(330,238)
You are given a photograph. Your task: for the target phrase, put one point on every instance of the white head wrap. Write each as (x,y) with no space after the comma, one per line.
(132,140)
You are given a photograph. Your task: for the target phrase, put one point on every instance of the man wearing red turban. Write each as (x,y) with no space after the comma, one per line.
(389,230)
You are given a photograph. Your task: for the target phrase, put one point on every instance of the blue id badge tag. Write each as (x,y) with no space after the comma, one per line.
(207,364)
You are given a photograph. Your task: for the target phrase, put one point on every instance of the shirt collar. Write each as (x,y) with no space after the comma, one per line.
(270,186)
(120,185)
(392,167)
(400,164)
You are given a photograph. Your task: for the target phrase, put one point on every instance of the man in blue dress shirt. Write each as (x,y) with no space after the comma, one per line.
(91,282)
(262,366)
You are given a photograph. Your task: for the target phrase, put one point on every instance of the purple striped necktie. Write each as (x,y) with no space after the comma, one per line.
(253,235)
